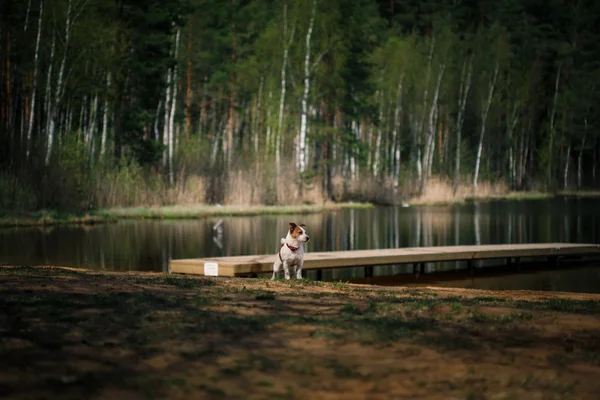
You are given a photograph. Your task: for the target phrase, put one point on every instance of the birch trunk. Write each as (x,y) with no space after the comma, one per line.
(594,163)
(396,149)
(301,154)
(49,85)
(34,89)
(173,109)
(553,125)
(58,91)
(483,121)
(465,84)
(378,139)
(166,130)
(355,130)
(27,16)
(258,119)
(580,156)
(510,128)
(429,148)
(229,147)
(566,172)
(419,132)
(93,125)
(286,45)
(105,116)
(188,91)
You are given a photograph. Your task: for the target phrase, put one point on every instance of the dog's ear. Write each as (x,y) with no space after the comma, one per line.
(292,226)
(302,225)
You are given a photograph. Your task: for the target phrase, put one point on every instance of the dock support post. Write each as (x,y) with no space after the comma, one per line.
(319,274)
(369,271)
(471,267)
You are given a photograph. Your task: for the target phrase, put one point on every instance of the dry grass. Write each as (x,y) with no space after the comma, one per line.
(442,192)
(259,186)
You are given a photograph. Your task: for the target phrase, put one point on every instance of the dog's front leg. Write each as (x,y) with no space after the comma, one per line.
(286,270)
(299,266)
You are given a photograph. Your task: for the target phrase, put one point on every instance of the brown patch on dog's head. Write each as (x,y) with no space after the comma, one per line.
(295,230)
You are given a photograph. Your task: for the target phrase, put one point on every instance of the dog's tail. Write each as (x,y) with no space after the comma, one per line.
(282,241)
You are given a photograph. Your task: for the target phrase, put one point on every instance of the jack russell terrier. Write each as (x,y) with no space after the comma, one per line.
(291,252)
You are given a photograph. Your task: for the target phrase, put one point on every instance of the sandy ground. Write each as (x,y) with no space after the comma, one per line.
(80,334)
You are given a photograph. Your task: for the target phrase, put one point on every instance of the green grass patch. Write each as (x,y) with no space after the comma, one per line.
(265,296)
(563,305)
(201,210)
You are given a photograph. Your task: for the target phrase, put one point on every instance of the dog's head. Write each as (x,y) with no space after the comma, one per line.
(297,232)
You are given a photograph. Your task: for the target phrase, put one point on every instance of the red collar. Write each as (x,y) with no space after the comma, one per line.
(292,248)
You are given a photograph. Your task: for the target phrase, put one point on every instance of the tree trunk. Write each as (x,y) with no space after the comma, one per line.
(58,91)
(396,149)
(49,85)
(553,125)
(483,121)
(580,156)
(105,116)
(594,163)
(378,139)
(34,83)
(430,144)
(231,90)
(463,93)
(27,16)
(286,45)
(258,124)
(510,128)
(419,132)
(166,125)
(566,171)
(173,107)
(92,125)
(301,153)
(188,91)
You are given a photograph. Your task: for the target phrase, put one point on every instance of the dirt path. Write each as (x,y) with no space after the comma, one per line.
(72,334)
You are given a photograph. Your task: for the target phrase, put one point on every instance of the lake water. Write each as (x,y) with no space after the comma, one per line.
(148,245)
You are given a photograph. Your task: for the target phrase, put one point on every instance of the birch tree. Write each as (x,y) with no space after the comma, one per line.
(58,90)
(484,115)
(35,75)
(286,45)
(301,140)
(463,93)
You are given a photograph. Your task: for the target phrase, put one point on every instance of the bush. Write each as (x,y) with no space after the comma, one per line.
(15,195)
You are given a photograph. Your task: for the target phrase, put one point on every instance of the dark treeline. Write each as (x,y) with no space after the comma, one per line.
(123,102)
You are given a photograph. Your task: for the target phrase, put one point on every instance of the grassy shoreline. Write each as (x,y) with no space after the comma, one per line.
(73,333)
(197,211)
(518,196)
(46,218)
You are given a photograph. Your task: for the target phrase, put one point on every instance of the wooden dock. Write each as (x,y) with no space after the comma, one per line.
(418,256)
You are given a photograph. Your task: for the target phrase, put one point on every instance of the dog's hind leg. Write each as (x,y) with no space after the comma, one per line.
(299,270)
(276,268)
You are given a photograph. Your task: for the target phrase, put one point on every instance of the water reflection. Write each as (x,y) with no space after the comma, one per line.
(149,245)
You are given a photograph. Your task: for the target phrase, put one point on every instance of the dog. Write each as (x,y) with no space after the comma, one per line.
(291,251)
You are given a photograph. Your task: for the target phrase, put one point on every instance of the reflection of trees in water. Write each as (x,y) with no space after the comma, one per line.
(149,245)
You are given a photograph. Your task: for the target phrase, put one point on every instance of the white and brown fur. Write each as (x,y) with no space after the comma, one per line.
(291,252)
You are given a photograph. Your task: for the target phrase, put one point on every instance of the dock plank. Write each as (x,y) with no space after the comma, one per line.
(254,264)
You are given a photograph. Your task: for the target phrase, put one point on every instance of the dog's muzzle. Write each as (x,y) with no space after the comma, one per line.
(307,238)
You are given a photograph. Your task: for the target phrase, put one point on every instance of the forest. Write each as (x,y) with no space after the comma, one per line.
(107,103)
